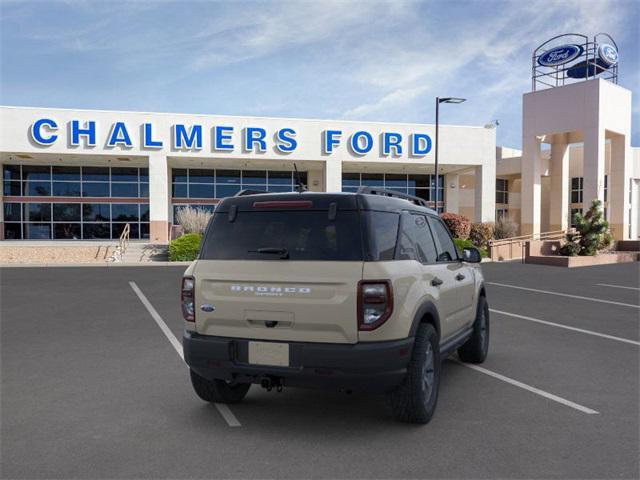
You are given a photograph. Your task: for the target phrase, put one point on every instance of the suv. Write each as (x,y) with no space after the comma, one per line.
(353,291)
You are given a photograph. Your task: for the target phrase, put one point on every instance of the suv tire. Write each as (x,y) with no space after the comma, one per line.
(415,400)
(476,348)
(218,391)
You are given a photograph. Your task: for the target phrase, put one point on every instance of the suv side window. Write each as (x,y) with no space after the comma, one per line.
(446,248)
(384,232)
(415,241)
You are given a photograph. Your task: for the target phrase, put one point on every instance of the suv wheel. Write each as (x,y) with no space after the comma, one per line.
(476,348)
(415,400)
(218,391)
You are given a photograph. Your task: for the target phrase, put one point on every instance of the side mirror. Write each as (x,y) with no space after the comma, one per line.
(471,255)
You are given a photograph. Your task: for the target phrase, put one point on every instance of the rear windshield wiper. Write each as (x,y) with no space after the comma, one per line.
(283,252)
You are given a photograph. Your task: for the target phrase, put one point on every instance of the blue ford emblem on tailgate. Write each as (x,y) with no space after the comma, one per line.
(207,308)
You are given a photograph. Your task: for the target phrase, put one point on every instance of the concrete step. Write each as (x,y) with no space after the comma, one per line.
(145,252)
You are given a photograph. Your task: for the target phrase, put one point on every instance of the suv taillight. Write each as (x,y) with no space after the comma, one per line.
(375,303)
(186,298)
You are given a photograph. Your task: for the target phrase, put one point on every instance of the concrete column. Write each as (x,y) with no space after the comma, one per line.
(452,192)
(531,186)
(593,167)
(315,180)
(559,195)
(159,198)
(618,188)
(485,192)
(332,175)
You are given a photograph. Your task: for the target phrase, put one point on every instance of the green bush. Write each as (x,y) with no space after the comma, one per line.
(591,235)
(459,225)
(462,244)
(185,248)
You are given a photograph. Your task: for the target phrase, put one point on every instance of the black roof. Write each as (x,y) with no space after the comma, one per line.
(380,201)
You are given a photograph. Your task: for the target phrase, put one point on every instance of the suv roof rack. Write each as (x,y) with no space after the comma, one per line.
(248,191)
(393,193)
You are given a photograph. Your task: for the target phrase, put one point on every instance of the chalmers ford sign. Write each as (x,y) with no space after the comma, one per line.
(222,138)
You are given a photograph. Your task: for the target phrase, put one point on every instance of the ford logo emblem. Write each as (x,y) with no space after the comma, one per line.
(608,54)
(207,308)
(560,55)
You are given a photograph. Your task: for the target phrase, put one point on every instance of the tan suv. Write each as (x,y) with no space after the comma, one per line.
(354,291)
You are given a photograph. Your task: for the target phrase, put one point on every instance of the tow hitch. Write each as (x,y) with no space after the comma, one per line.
(269,383)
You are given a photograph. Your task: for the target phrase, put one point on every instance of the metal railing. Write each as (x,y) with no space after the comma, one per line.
(123,244)
(514,247)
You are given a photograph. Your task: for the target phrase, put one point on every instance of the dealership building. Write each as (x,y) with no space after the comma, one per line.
(85,174)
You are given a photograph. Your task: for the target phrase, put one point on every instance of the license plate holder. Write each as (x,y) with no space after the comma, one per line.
(274,354)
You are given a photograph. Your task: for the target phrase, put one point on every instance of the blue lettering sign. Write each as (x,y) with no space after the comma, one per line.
(286,141)
(147,138)
(119,136)
(255,136)
(330,140)
(36,131)
(89,131)
(221,137)
(391,140)
(420,144)
(357,146)
(186,139)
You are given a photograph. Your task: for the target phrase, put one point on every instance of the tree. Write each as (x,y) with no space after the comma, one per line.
(591,235)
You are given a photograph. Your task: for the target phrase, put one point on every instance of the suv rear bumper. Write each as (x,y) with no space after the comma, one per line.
(368,366)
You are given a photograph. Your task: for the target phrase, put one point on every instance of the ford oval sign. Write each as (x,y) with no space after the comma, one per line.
(560,55)
(608,54)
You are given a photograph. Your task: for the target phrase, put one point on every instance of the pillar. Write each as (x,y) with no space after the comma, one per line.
(559,195)
(485,192)
(159,198)
(593,167)
(618,188)
(452,192)
(531,186)
(332,175)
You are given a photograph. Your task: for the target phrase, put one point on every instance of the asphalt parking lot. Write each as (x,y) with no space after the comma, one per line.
(92,387)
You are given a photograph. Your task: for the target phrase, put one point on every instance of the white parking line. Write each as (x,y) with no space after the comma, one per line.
(566,327)
(590,299)
(224,410)
(616,286)
(531,389)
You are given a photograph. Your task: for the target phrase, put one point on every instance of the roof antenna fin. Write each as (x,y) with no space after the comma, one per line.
(300,187)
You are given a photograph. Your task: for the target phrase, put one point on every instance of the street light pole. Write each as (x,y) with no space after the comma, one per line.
(436,152)
(438,102)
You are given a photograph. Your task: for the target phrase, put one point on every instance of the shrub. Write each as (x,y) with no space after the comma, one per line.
(505,228)
(459,225)
(193,220)
(591,235)
(481,233)
(185,248)
(462,244)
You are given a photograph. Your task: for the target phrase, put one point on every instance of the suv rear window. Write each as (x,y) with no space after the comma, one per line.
(304,235)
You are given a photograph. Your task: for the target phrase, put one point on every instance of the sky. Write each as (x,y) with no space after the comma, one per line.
(344,60)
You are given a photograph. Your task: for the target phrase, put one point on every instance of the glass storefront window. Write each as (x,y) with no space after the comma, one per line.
(95,189)
(422,186)
(66,173)
(36,172)
(124,212)
(66,212)
(37,189)
(96,212)
(124,190)
(227,176)
(66,189)
(199,190)
(95,174)
(12,188)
